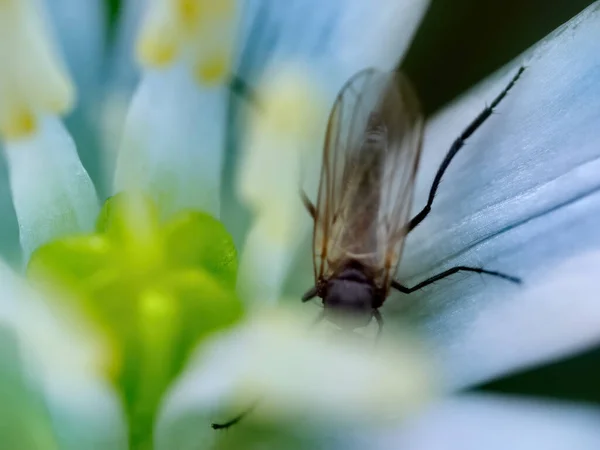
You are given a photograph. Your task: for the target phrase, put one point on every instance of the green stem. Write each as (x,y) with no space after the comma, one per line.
(157,327)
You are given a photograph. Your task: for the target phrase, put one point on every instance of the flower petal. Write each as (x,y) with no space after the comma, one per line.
(24,417)
(297,68)
(34,81)
(474,422)
(52,193)
(174,136)
(294,371)
(174,141)
(80,28)
(521,198)
(64,360)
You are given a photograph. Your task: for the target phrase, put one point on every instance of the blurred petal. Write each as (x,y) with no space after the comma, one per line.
(52,193)
(477,422)
(64,360)
(297,68)
(34,80)
(351,34)
(26,423)
(522,197)
(80,27)
(296,371)
(174,141)
(175,130)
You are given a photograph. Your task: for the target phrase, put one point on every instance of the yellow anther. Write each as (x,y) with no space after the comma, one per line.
(33,79)
(284,135)
(156,52)
(291,105)
(17,124)
(199,31)
(189,13)
(213,70)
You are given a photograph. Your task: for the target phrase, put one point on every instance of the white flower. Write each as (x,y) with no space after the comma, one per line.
(520,197)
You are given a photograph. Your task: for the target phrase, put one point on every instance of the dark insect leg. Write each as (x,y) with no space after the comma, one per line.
(310,294)
(452,271)
(457,145)
(235,420)
(310,207)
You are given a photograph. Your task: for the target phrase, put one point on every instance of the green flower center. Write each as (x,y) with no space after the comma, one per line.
(153,289)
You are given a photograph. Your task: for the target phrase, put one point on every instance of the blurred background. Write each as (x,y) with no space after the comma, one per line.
(461,41)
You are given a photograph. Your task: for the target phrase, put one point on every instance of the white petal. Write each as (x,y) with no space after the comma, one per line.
(34,80)
(489,422)
(80,28)
(522,197)
(52,193)
(296,371)
(65,360)
(174,141)
(297,67)
(174,137)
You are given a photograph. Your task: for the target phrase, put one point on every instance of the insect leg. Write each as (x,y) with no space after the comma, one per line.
(235,420)
(457,145)
(310,207)
(310,294)
(452,271)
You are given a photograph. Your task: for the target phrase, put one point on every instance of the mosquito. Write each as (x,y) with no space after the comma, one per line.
(361,217)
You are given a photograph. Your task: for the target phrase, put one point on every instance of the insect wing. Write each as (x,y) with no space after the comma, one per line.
(370,158)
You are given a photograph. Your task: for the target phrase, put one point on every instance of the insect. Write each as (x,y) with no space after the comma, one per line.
(361,217)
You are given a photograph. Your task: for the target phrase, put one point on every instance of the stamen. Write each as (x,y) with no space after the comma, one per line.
(33,79)
(199,31)
(285,134)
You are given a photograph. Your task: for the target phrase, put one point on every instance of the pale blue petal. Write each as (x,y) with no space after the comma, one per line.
(80,28)
(52,193)
(174,141)
(352,34)
(522,197)
(476,422)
